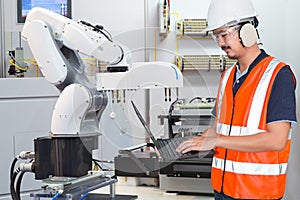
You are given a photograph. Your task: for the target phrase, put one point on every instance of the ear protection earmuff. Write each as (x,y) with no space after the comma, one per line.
(248,35)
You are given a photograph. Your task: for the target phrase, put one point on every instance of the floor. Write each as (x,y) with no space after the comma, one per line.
(127,186)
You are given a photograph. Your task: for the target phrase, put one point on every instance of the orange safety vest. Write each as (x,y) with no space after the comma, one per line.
(244,175)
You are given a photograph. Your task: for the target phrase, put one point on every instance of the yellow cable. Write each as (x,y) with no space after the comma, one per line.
(96,168)
(11,61)
(94,59)
(178,62)
(36,70)
(30,60)
(91,63)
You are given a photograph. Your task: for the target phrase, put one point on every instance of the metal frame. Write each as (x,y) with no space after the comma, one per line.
(75,188)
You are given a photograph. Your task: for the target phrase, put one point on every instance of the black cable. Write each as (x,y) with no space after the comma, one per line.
(203,100)
(121,57)
(195,98)
(12,185)
(18,186)
(106,31)
(97,28)
(15,192)
(103,161)
(22,171)
(96,163)
(13,175)
(13,167)
(170,122)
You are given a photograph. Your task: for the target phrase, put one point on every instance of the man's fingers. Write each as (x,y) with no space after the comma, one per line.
(184,145)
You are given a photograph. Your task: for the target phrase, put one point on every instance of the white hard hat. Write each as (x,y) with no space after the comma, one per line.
(228,12)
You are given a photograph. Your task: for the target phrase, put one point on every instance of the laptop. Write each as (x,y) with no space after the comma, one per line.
(167,147)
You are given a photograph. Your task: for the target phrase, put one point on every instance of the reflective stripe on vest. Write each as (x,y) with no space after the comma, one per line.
(250,168)
(260,95)
(223,129)
(222,87)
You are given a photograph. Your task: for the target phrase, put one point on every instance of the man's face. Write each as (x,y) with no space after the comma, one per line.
(229,41)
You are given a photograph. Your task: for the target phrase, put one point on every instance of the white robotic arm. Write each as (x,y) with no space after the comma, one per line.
(55,42)
(46,32)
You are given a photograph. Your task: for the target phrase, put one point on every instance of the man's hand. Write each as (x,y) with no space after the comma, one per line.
(207,141)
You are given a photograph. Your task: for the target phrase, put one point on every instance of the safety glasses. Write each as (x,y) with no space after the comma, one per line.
(225,35)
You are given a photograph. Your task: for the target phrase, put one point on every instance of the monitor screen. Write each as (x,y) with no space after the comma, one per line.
(62,7)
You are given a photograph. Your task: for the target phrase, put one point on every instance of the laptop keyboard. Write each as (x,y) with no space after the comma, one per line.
(167,149)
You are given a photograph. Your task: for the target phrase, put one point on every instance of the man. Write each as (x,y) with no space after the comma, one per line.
(254,111)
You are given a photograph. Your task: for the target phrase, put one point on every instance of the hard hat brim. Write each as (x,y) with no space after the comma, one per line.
(232,23)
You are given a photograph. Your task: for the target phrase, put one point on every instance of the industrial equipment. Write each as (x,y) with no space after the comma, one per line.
(187,119)
(17,66)
(56,43)
(164,18)
(204,62)
(190,27)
